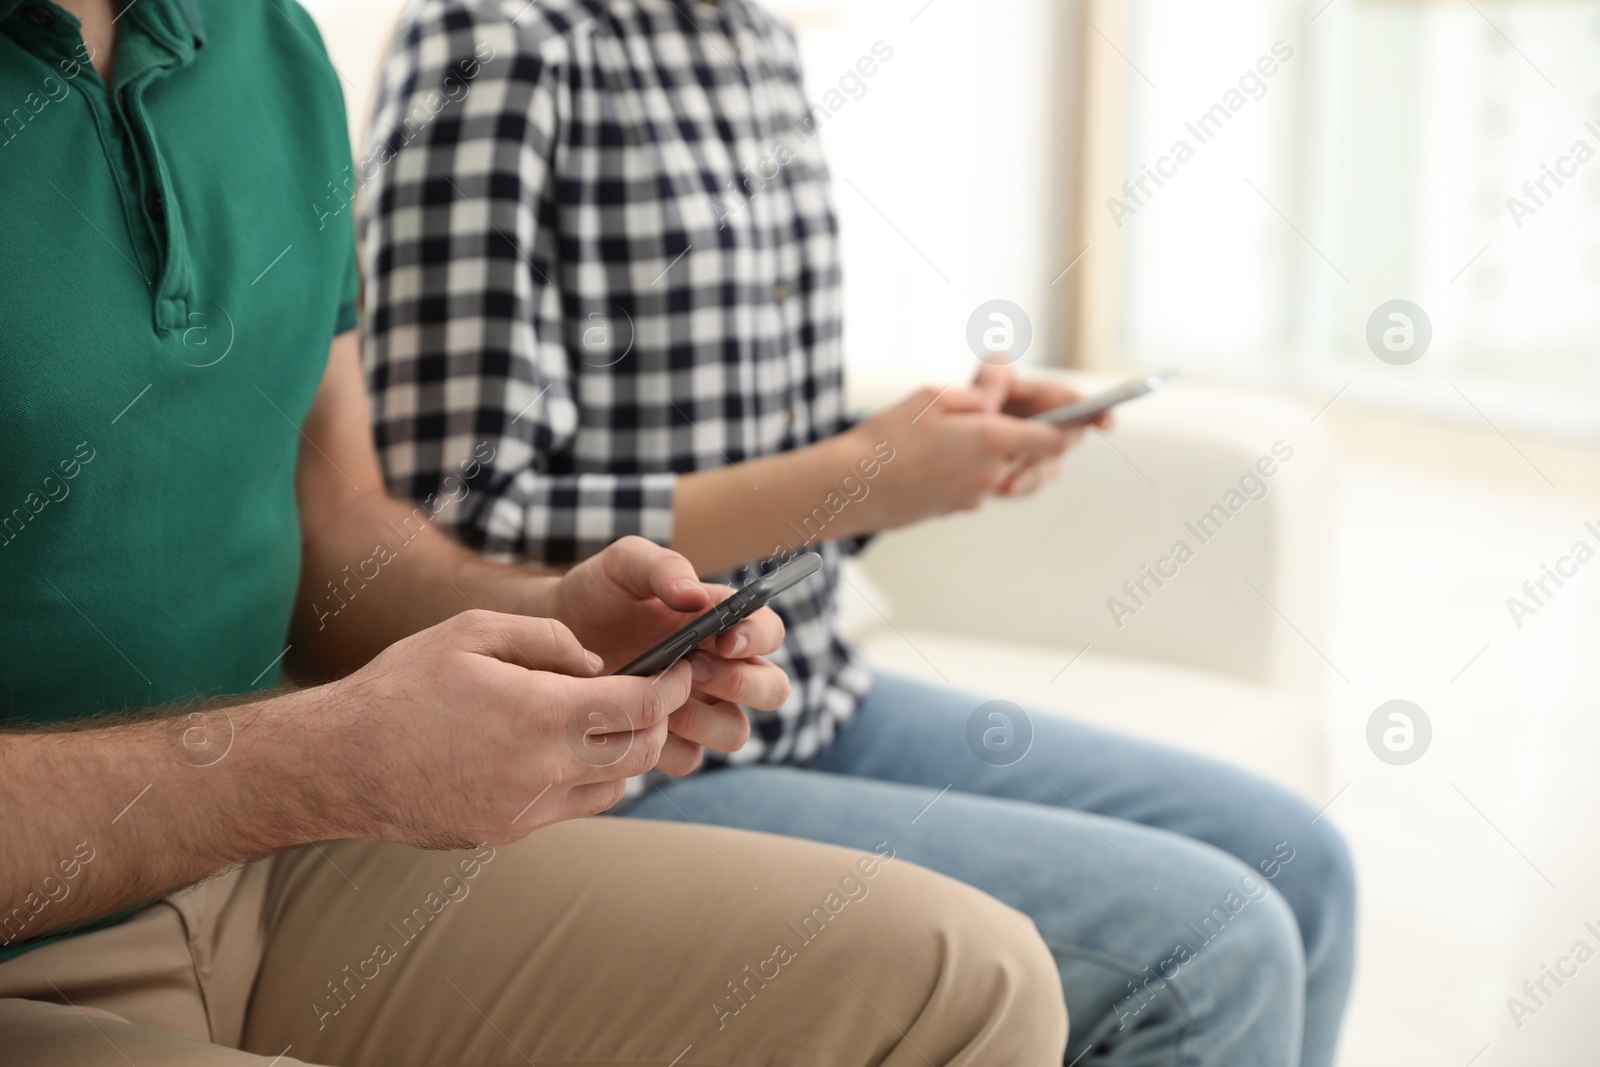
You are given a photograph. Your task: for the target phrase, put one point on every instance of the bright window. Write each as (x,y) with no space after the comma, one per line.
(1447,154)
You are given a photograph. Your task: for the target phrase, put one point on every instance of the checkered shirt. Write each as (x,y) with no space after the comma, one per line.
(599,240)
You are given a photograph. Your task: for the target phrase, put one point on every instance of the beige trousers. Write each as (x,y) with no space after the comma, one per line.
(600,942)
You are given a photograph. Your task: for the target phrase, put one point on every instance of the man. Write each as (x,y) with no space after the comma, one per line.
(192,500)
(599,236)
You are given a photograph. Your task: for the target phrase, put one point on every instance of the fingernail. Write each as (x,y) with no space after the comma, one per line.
(686,585)
(740,642)
(701,664)
(595,662)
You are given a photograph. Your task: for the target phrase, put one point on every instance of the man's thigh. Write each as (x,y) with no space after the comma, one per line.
(612,941)
(41,1034)
(165,987)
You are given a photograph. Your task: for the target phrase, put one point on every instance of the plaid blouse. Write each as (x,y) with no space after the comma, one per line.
(600,248)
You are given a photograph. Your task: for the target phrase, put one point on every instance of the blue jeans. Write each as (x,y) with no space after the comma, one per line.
(1198,914)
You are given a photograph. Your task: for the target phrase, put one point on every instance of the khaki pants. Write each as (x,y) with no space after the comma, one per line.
(600,942)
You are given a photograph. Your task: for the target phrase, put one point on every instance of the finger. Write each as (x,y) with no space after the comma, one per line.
(1030,396)
(996,381)
(602,753)
(582,801)
(754,683)
(1036,476)
(759,635)
(1007,436)
(537,644)
(1016,479)
(680,757)
(645,569)
(960,398)
(1070,436)
(1058,392)
(716,724)
(621,704)
(1021,481)
(644,753)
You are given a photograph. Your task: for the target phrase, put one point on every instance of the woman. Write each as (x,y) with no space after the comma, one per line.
(599,234)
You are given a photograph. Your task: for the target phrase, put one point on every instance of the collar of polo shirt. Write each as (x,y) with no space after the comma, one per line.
(190,13)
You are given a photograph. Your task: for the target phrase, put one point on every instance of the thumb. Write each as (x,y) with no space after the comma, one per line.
(1028,440)
(994,381)
(963,400)
(646,570)
(532,643)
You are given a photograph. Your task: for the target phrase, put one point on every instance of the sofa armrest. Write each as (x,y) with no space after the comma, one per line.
(1165,539)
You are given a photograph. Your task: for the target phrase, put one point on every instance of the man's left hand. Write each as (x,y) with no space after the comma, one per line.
(623,600)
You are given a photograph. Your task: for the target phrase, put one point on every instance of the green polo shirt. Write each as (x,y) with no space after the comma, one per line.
(178,254)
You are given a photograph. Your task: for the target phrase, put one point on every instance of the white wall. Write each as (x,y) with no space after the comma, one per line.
(946,173)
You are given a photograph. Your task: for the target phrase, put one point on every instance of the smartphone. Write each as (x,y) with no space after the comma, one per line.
(1079,412)
(725,616)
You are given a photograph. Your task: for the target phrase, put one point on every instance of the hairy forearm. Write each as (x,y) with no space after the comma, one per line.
(734,515)
(101,819)
(382,570)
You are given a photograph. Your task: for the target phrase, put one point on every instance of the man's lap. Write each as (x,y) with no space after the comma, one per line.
(600,941)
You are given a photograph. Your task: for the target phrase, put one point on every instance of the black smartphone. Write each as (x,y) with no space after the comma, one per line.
(1080,412)
(725,616)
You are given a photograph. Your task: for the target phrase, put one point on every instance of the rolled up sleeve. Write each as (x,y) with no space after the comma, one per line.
(468,366)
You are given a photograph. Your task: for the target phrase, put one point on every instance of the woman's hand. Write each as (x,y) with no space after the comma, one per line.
(946,450)
(1023,398)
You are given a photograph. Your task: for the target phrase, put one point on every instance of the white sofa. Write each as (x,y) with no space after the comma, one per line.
(1222,658)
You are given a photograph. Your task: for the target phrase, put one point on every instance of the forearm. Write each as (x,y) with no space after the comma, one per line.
(99,820)
(382,571)
(733,515)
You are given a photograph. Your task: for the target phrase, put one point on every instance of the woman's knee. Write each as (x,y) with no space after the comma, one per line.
(1330,867)
(1311,866)
(1249,947)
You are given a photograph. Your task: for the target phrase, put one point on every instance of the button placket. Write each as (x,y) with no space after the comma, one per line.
(170,291)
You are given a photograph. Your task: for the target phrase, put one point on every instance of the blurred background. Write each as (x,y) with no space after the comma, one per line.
(1241,189)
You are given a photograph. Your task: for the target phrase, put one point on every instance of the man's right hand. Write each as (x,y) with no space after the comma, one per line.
(486,727)
(952,449)
(477,730)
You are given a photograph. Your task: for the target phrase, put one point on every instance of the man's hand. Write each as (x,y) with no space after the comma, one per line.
(488,726)
(481,728)
(952,449)
(1024,397)
(621,601)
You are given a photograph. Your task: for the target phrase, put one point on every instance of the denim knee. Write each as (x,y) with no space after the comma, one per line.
(1318,879)
(1252,971)
(1231,986)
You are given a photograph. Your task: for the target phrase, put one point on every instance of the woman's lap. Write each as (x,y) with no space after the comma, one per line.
(1116,847)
